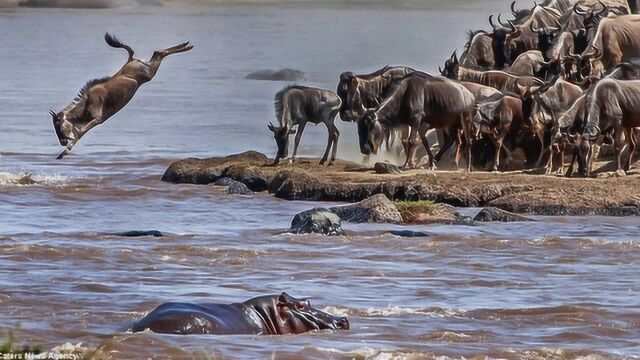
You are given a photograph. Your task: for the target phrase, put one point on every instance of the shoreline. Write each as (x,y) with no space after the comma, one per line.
(349,182)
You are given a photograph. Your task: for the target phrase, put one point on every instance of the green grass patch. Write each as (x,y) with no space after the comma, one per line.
(412,211)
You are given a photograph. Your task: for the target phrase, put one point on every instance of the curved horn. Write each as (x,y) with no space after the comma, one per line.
(537,31)
(605,9)
(500,20)
(52,113)
(578,10)
(440,70)
(513,27)
(491,22)
(513,8)
(597,55)
(573,56)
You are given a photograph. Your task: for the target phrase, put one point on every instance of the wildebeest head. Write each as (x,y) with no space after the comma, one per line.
(281,135)
(450,67)
(65,130)
(355,107)
(295,316)
(342,91)
(499,36)
(370,133)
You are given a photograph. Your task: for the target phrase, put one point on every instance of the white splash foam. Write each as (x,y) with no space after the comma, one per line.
(8,178)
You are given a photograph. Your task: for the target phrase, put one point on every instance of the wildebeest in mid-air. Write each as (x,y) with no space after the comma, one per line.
(269,315)
(100,99)
(297,105)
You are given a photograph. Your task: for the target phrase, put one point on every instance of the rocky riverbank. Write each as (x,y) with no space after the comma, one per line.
(350,182)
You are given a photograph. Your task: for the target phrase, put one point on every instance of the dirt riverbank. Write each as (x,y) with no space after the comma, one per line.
(350,182)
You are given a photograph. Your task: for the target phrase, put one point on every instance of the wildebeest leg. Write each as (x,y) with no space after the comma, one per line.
(336,135)
(594,151)
(632,146)
(296,141)
(561,148)
(466,132)
(412,147)
(497,141)
(425,142)
(542,149)
(330,140)
(158,56)
(449,139)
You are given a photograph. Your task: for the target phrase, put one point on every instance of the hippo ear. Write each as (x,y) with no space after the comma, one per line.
(283,299)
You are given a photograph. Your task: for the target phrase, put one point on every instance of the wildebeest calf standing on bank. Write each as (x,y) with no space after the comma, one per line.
(297,105)
(100,99)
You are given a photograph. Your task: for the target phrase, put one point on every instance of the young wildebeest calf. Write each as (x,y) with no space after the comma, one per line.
(100,99)
(297,105)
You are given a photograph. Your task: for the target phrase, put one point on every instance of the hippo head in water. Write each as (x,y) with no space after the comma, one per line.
(270,315)
(284,314)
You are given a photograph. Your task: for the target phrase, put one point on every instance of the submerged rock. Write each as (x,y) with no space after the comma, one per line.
(277,75)
(78,4)
(375,209)
(386,168)
(318,221)
(494,214)
(139,233)
(233,187)
(207,171)
(408,233)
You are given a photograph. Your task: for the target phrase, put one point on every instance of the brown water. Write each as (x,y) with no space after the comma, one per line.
(560,288)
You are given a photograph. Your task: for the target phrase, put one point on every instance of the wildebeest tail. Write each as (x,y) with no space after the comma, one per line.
(114,42)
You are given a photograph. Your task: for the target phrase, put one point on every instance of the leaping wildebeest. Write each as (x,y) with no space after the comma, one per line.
(100,99)
(298,105)
(421,103)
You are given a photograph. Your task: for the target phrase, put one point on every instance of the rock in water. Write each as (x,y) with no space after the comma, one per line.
(386,168)
(408,233)
(494,214)
(234,187)
(375,209)
(139,233)
(279,75)
(318,221)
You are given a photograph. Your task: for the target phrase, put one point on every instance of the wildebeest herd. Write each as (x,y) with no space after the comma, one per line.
(558,76)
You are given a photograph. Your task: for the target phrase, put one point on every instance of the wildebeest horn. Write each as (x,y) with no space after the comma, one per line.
(52,113)
(500,20)
(440,70)
(270,126)
(605,8)
(513,27)
(575,57)
(513,8)
(491,22)
(578,10)
(537,31)
(597,55)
